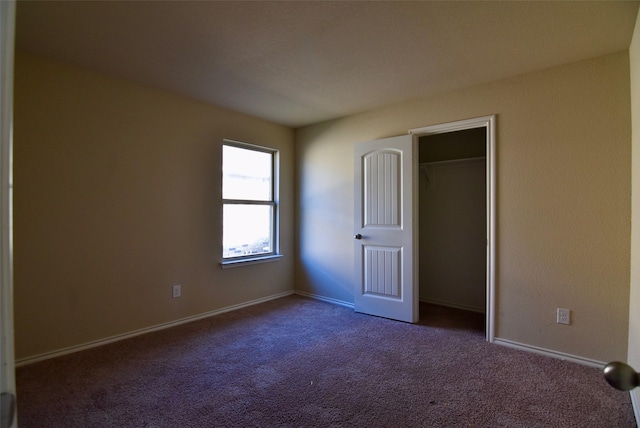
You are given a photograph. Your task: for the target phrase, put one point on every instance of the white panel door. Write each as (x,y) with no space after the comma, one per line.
(384,220)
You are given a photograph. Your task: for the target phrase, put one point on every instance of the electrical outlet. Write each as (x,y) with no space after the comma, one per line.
(177,291)
(564,316)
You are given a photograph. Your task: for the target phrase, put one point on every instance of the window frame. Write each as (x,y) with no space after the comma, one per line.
(273,255)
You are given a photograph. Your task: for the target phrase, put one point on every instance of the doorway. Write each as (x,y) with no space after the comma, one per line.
(456,199)
(452,219)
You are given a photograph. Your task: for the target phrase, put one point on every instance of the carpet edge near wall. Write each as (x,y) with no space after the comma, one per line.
(115,338)
(24,361)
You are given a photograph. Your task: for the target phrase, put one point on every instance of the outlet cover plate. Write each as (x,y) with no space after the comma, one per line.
(564,316)
(177,291)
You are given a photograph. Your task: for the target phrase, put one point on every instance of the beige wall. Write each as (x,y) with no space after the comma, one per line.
(117,197)
(634,298)
(563,200)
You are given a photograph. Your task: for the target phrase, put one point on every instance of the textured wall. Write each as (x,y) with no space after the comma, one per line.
(563,199)
(117,197)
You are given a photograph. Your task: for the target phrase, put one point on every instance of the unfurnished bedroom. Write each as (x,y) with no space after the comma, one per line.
(298,214)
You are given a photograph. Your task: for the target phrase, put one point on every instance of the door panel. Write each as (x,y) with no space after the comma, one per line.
(382,195)
(384,220)
(382,271)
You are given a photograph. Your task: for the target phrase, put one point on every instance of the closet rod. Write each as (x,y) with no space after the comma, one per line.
(453,161)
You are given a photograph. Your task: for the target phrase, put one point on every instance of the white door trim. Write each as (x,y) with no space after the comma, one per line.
(7,368)
(488,122)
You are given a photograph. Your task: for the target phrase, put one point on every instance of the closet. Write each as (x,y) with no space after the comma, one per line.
(453,219)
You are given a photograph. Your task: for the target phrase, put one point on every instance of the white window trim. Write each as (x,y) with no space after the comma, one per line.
(233,263)
(226,263)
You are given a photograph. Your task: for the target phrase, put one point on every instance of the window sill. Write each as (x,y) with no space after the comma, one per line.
(226,264)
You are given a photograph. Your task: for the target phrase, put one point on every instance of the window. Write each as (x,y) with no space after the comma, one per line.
(250,208)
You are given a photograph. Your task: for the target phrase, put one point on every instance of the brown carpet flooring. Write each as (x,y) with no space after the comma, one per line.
(297,362)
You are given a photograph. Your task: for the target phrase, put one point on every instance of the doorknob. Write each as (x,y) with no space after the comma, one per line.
(621,376)
(358,236)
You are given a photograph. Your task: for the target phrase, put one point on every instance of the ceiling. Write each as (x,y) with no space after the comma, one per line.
(298,63)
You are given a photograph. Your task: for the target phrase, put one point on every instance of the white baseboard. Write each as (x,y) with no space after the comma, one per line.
(503,342)
(454,305)
(324,299)
(116,338)
(636,405)
(550,353)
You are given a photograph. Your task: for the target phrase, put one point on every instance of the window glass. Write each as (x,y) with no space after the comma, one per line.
(246,174)
(247,230)
(249,216)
